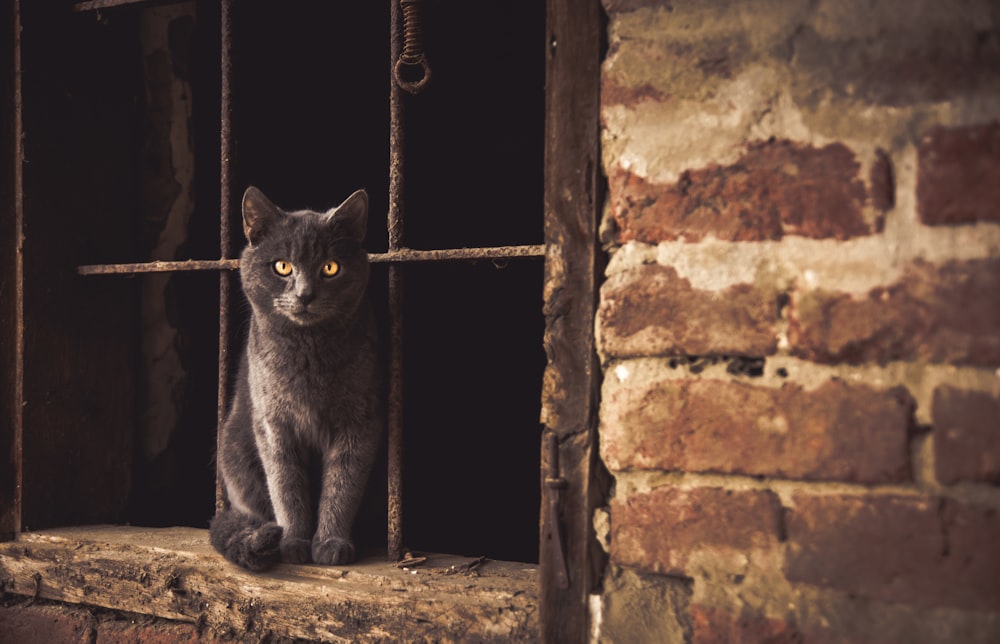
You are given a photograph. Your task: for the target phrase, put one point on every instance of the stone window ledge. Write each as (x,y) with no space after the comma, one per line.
(174,573)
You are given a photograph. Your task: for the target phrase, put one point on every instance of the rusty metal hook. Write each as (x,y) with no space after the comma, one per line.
(412,71)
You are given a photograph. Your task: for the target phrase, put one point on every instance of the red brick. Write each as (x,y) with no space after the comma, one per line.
(777,188)
(920,551)
(943,314)
(837,432)
(966,436)
(714,625)
(614,92)
(624,6)
(958,175)
(659,531)
(147,631)
(969,574)
(45,624)
(680,320)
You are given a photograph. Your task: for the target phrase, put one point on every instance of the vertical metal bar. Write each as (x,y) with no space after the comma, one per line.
(225,208)
(395,230)
(17,403)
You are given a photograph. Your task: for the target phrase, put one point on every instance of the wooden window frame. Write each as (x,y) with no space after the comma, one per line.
(172,575)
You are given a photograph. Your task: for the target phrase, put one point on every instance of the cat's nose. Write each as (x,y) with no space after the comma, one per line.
(304,290)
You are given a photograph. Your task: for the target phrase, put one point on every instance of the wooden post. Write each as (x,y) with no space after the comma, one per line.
(570,387)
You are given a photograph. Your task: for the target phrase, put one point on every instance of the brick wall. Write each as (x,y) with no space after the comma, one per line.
(25,622)
(800,323)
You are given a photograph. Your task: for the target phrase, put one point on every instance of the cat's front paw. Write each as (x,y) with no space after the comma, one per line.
(332,551)
(295,550)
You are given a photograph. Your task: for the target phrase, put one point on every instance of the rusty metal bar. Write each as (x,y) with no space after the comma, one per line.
(97,5)
(399,256)
(225,207)
(394,224)
(405,255)
(159,267)
(18,402)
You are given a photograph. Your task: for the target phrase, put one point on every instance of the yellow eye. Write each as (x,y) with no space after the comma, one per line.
(330,269)
(283,268)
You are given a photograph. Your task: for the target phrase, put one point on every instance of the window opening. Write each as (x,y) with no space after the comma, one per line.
(456,215)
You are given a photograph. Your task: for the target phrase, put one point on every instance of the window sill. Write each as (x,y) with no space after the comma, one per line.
(174,573)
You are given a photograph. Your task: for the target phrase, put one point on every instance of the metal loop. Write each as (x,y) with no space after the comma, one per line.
(411,86)
(412,61)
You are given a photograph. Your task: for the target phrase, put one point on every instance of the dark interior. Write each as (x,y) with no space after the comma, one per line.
(310,125)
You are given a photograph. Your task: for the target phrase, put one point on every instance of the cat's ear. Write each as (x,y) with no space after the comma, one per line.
(258,214)
(352,214)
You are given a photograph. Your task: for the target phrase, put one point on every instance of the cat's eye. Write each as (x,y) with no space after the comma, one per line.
(330,269)
(283,268)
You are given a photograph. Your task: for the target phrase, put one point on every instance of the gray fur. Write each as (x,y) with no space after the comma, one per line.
(308,390)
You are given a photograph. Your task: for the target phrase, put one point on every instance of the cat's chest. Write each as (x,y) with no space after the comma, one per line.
(304,376)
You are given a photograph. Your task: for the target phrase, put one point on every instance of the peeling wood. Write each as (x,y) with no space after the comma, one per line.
(173,573)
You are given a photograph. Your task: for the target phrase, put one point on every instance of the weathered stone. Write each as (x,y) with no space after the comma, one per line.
(173,573)
(650,310)
(943,314)
(840,432)
(958,175)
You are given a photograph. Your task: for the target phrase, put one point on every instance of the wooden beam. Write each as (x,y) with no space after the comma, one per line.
(573,193)
(173,573)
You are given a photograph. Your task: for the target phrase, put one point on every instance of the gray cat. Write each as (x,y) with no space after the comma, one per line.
(307,404)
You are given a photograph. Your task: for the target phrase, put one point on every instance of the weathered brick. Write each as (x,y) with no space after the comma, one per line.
(837,432)
(45,624)
(966,436)
(921,551)
(623,6)
(943,314)
(925,61)
(613,92)
(967,573)
(650,310)
(149,631)
(958,175)
(777,188)
(643,608)
(661,530)
(714,625)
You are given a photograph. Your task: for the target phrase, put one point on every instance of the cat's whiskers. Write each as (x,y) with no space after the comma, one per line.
(292,308)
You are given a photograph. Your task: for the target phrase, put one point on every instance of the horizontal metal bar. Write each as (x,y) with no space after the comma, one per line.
(493,252)
(403,255)
(97,5)
(159,267)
